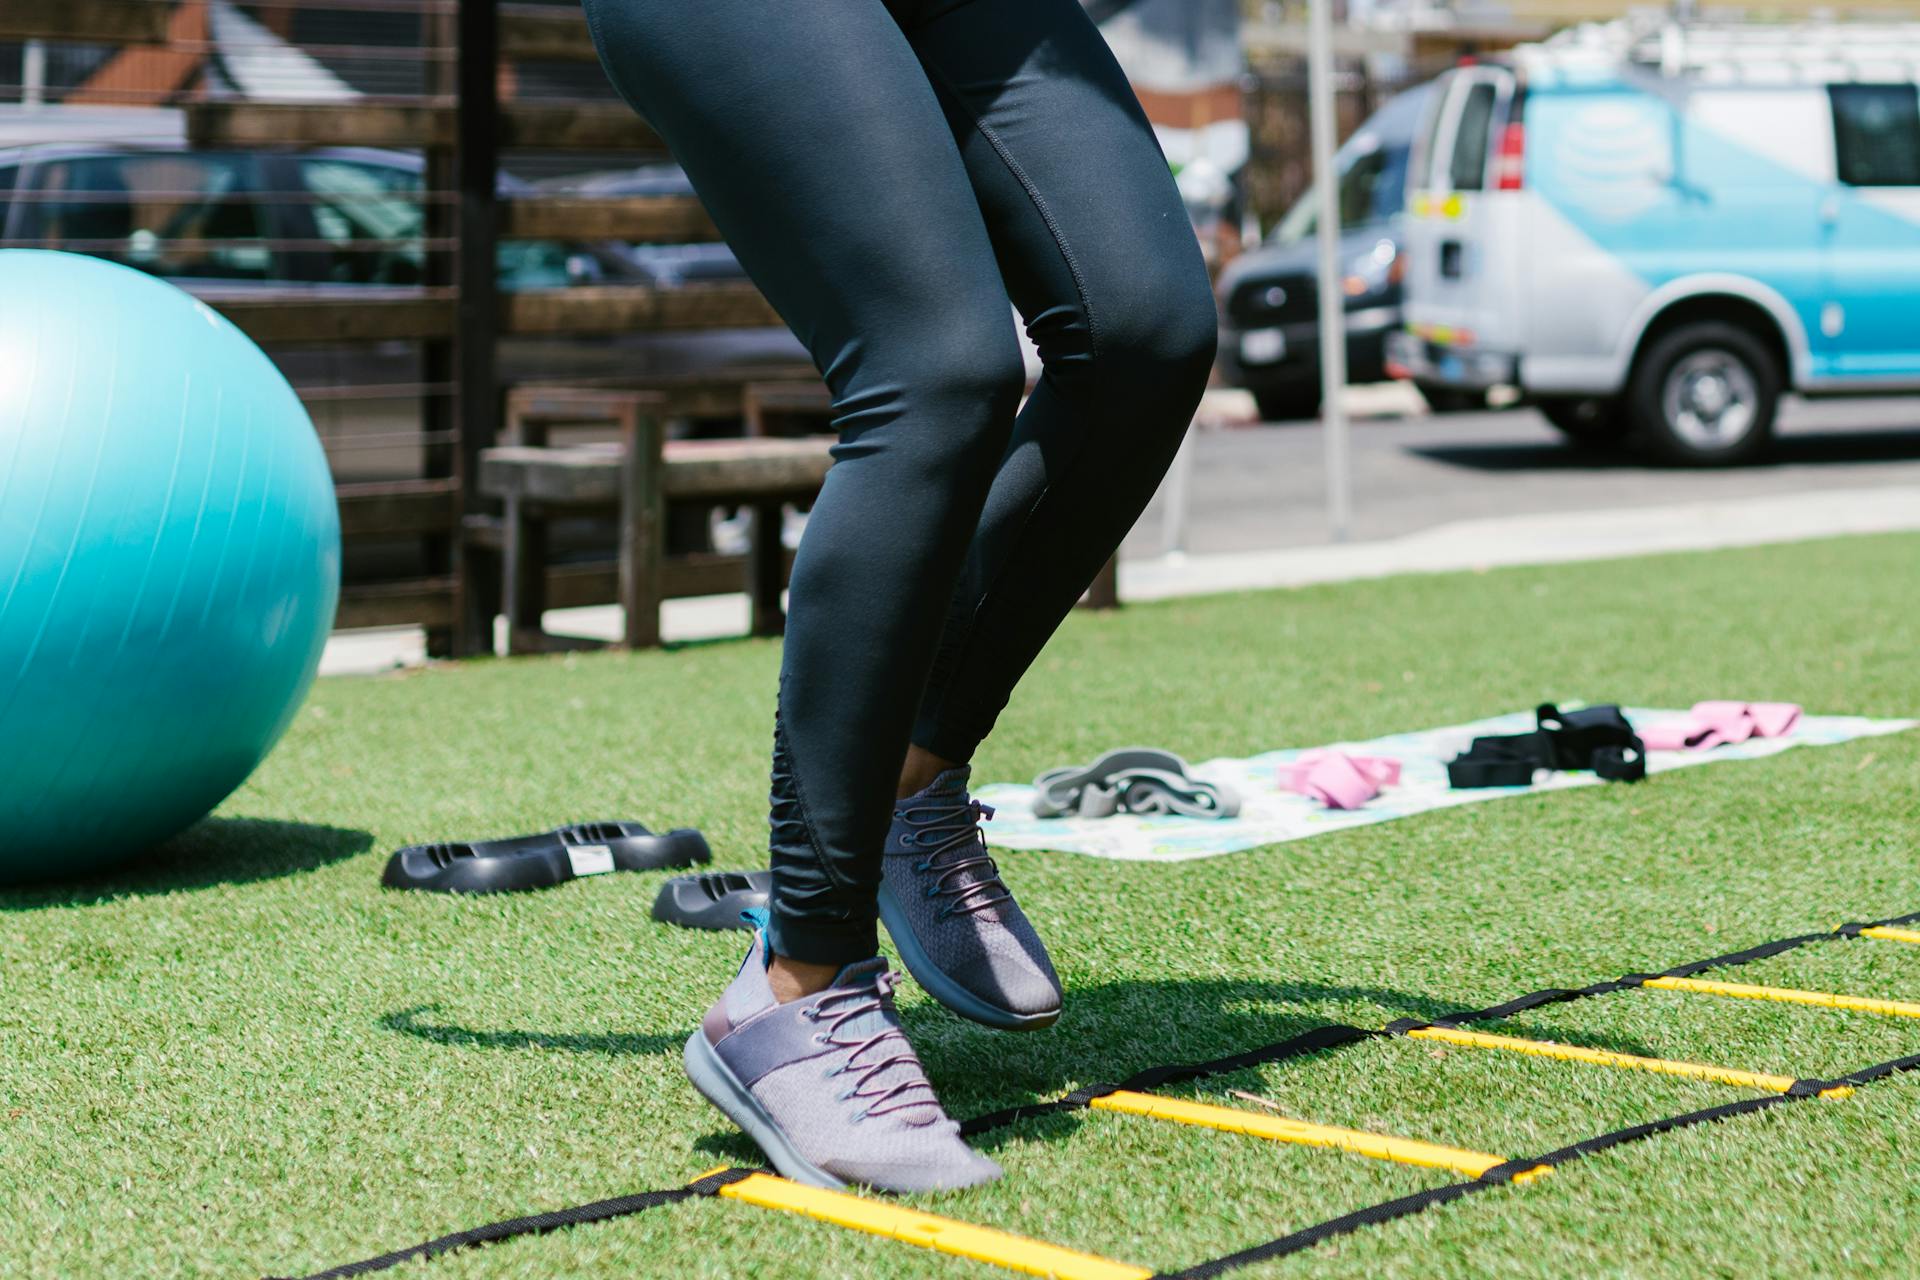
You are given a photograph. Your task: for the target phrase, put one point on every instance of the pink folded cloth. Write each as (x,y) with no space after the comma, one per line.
(1710,724)
(1339,780)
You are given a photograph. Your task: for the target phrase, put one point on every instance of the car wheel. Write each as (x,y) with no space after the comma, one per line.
(1289,404)
(1590,420)
(1705,395)
(1442,399)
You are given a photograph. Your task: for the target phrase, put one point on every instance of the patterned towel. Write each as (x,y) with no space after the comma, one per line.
(1270,815)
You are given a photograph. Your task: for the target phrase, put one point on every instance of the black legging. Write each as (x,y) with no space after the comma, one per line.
(890,174)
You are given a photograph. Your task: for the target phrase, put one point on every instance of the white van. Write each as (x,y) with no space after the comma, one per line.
(1656,230)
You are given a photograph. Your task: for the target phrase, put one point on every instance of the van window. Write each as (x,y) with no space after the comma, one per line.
(1430,136)
(1876,133)
(1467,171)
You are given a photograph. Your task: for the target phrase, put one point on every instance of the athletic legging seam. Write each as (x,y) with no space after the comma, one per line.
(1000,149)
(784,745)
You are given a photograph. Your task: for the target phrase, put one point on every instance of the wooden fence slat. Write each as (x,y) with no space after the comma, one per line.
(392,507)
(96,21)
(561,126)
(546,33)
(583,126)
(628,308)
(707,393)
(418,602)
(597,582)
(646,219)
(294,317)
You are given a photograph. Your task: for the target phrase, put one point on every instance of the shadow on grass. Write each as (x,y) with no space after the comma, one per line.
(407,1021)
(1106,1034)
(214,851)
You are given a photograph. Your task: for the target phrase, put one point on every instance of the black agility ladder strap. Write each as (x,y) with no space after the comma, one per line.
(1314,1040)
(538,1224)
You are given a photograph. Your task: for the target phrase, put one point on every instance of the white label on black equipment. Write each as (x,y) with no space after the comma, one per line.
(590,859)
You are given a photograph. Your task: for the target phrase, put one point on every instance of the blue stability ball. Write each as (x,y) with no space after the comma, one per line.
(169,561)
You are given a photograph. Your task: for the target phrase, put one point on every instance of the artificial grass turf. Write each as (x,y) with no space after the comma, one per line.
(245,1057)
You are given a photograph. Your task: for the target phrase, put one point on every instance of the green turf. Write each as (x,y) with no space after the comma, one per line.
(246,1057)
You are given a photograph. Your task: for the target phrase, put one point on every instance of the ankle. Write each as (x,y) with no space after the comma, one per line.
(919,770)
(793,979)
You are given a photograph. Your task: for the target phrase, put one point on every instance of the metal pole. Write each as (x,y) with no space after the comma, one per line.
(1333,311)
(1179,491)
(476,312)
(33,74)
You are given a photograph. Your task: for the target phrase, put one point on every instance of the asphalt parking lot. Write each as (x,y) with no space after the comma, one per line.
(1263,486)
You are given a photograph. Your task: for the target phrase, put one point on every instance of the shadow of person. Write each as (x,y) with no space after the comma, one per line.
(214,851)
(613,1043)
(1110,1032)
(1115,1030)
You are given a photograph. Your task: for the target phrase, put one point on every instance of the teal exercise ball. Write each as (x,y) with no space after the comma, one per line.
(169,561)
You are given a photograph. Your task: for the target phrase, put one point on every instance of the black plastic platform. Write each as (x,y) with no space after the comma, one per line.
(543,860)
(712,899)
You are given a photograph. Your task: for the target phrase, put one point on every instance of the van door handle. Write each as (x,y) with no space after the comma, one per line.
(1452,259)
(1830,210)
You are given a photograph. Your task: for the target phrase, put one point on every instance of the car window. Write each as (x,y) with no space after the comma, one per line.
(1876,131)
(370,217)
(534,264)
(373,221)
(1373,188)
(1467,170)
(168,213)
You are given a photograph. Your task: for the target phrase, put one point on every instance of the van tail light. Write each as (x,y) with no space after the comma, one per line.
(1510,158)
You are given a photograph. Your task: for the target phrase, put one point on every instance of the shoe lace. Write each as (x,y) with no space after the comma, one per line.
(849,1005)
(955,828)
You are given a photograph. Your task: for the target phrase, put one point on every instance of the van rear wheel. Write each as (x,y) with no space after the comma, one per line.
(1705,395)
(1590,420)
(1445,399)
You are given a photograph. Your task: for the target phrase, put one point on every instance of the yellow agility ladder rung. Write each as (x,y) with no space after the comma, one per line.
(1282,1129)
(1608,1058)
(1891,934)
(1787,995)
(897,1222)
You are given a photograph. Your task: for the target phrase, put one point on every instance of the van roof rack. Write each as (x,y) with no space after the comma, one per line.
(1737,53)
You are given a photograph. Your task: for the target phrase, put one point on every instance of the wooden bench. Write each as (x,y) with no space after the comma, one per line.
(635,477)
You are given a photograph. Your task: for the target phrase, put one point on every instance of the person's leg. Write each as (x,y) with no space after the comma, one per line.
(1098,254)
(814,139)
(812,136)
(1101,259)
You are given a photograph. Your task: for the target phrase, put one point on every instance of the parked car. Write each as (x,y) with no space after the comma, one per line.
(1269,296)
(666,265)
(333,215)
(1656,230)
(330,220)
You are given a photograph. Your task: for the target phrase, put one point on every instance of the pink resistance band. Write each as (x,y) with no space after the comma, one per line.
(1711,724)
(1339,780)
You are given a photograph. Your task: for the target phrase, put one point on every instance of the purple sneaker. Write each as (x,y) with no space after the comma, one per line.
(828,1085)
(955,923)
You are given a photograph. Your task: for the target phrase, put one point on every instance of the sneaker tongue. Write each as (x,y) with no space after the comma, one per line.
(918,1106)
(860,972)
(951,782)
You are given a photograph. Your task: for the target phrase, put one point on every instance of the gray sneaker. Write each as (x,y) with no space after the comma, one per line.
(956,925)
(828,1085)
